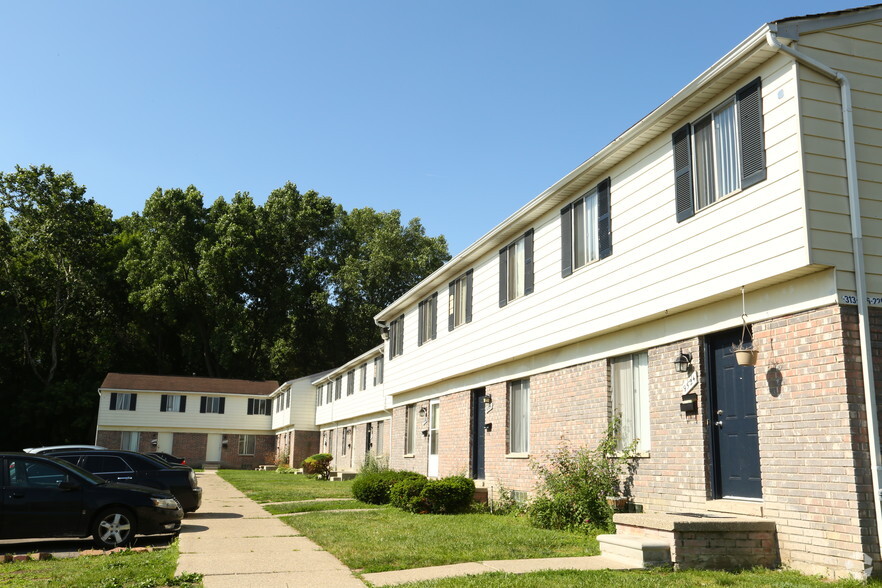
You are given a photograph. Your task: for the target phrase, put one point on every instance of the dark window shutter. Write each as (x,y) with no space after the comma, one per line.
(202,401)
(134,403)
(163,403)
(113,401)
(451,304)
(528,262)
(222,402)
(434,310)
(682,140)
(468,317)
(750,121)
(421,335)
(250,406)
(566,240)
(503,277)
(267,408)
(604,219)
(183,404)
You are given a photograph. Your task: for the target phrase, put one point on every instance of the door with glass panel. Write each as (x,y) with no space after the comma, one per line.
(434,416)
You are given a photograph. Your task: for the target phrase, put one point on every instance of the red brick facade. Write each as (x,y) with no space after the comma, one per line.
(813,441)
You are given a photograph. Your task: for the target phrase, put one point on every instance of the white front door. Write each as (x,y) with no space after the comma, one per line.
(213,447)
(434,422)
(165,442)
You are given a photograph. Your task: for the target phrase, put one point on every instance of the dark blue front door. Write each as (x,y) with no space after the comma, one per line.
(478,413)
(733,421)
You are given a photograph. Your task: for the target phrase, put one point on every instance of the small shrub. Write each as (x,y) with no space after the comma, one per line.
(506,502)
(318,465)
(373,488)
(406,494)
(374,464)
(448,495)
(284,468)
(576,482)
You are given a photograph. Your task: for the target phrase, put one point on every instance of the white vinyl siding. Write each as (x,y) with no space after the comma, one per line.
(630,396)
(519,416)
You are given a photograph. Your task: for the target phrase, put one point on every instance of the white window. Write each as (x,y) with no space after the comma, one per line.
(378,443)
(338,388)
(396,337)
(378,370)
(409,428)
(362,377)
(259,406)
(212,404)
(123,401)
(519,416)
(630,387)
(131,441)
(459,301)
(329,387)
(516,269)
(173,403)
(246,444)
(350,382)
(720,153)
(428,326)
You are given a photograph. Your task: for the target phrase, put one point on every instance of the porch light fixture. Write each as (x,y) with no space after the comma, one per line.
(683,362)
(487,399)
(423,411)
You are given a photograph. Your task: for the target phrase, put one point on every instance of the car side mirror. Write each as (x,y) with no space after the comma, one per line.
(67,486)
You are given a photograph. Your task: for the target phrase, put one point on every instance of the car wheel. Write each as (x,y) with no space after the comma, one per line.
(114,527)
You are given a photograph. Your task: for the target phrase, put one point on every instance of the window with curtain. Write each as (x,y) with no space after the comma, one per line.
(630,395)
(519,416)
(409,428)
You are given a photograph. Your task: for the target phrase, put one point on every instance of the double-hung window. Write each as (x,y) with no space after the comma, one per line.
(378,370)
(586,229)
(720,153)
(362,377)
(516,269)
(459,301)
(123,401)
(428,327)
(630,396)
(130,441)
(519,416)
(379,436)
(246,444)
(409,428)
(319,395)
(338,388)
(329,390)
(396,337)
(350,382)
(212,404)
(259,406)
(173,403)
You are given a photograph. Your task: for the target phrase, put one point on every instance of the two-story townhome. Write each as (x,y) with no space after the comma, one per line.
(352,411)
(293,423)
(746,208)
(204,420)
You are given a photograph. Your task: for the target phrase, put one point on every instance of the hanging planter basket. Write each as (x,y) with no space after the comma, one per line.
(746,357)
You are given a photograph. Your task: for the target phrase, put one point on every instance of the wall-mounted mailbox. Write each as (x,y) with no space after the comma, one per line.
(488,426)
(689,403)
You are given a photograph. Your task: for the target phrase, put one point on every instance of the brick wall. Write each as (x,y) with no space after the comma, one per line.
(303,444)
(190,446)
(109,439)
(454,434)
(418,461)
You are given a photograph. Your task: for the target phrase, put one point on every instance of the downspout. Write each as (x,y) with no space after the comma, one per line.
(860,274)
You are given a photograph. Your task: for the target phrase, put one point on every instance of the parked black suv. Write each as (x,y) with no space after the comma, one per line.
(45,497)
(135,468)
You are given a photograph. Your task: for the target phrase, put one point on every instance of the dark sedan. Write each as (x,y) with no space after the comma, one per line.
(168,458)
(45,497)
(136,468)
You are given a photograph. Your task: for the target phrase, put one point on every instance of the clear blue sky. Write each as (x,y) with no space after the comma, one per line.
(457,112)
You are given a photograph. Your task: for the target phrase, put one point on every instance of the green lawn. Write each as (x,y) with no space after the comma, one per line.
(391,539)
(118,570)
(642,579)
(273,487)
(293,507)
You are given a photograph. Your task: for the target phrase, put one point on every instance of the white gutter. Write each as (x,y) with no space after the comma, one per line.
(854,205)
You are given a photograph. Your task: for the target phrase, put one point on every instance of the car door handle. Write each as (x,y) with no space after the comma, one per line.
(124,478)
(16,495)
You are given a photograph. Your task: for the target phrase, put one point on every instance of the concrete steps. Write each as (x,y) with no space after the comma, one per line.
(639,552)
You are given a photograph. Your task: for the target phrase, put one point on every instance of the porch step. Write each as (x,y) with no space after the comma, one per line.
(342,476)
(640,552)
(211,465)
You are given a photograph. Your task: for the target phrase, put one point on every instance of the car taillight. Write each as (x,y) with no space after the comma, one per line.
(192,479)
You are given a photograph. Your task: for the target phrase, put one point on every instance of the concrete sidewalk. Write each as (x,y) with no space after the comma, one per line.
(233,542)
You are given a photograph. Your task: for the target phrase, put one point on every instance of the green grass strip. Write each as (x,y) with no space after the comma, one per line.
(390,539)
(295,507)
(273,487)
